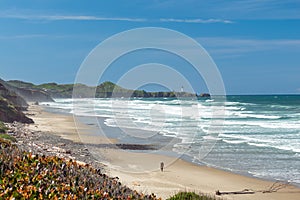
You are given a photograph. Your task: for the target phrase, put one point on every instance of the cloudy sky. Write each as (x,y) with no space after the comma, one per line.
(254,43)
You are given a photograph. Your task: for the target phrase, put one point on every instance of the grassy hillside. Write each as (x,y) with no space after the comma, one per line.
(104,90)
(21,84)
(28,91)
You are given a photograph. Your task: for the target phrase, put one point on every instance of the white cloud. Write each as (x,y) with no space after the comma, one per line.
(259,9)
(233,9)
(200,21)
(5,37)
(71,17)
(234,46)
(97,18)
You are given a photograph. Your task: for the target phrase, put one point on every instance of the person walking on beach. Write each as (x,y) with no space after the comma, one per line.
(162,166)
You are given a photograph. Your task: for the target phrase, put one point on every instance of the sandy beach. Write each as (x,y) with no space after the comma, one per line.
(140,171)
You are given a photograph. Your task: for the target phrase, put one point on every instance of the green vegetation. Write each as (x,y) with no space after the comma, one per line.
(190,196)
(57,91)
(21,84)
(109,89)
(104,90)
(7,137)
(3,134)
(25,176)
(3,128)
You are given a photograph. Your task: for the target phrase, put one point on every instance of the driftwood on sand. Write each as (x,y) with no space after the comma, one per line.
(278,185)
(245,191)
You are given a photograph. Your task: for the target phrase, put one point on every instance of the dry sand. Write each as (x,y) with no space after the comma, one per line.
(140,171)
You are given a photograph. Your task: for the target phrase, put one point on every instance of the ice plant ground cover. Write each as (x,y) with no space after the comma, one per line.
(27,176)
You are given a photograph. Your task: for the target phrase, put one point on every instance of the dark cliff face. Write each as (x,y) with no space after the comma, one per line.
(32,95)
(26,92)
(11,106)
(18,101)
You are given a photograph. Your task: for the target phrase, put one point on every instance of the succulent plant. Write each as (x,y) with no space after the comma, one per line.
(27,176)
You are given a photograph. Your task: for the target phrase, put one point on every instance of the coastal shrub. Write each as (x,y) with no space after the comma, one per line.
(190,196)
(3,128)
(27,176)
(7,137)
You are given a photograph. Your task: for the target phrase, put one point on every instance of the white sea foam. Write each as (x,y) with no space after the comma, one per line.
(232,103)
(258,116)
(273,141)
(209,100)
(110,122)
(209,137)
(234,141)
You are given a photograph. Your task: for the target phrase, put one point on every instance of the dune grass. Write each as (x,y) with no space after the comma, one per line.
(190,196)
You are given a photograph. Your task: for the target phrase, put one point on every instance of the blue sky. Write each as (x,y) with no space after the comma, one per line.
(255,44)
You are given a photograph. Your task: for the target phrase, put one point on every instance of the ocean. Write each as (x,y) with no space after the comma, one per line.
(257,135)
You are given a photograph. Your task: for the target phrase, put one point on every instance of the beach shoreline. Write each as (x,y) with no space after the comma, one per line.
(179,175)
